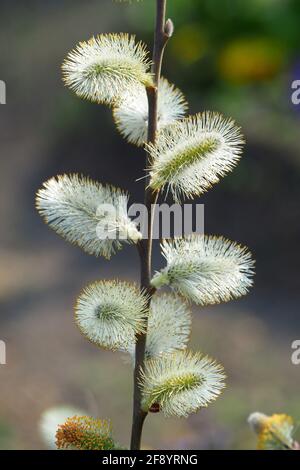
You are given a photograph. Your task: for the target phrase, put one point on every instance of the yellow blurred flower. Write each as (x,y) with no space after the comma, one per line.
(253,59)
(274,432)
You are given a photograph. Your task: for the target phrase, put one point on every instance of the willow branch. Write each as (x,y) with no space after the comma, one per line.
(163,31)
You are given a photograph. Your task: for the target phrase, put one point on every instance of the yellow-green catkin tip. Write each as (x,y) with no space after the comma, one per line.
(85,433)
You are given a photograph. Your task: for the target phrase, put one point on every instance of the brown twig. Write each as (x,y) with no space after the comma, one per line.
(163,31)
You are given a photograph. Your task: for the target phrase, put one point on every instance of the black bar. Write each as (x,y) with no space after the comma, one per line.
(135,459)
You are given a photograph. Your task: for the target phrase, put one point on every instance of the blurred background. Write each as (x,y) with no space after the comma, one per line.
(232,56)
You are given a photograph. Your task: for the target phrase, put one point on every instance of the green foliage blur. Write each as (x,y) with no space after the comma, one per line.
(246,41)
(232,48)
